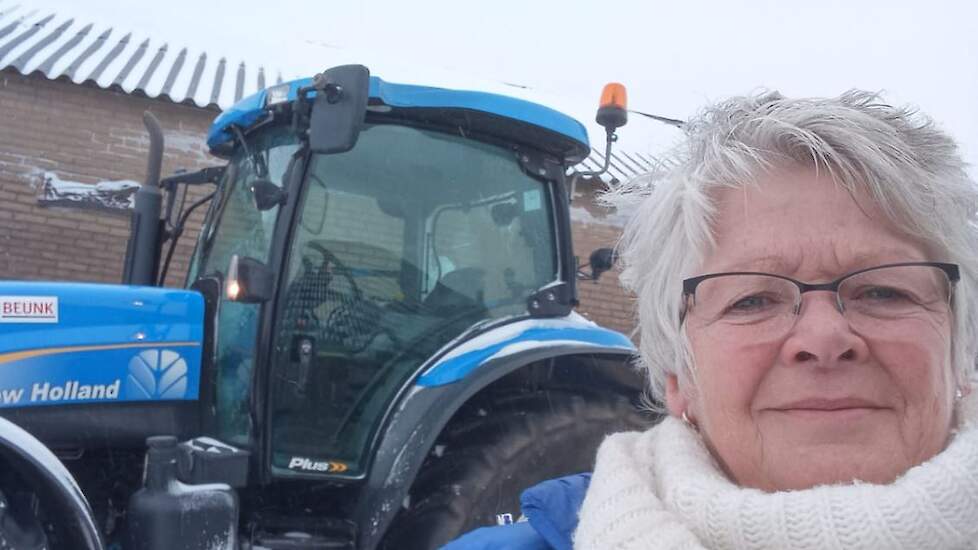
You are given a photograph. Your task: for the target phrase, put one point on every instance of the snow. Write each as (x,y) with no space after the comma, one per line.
(512,339)
(508,332)
(674,57)
(145,54)
(530,345)
(578,318)
(211,445)
(203,490)
(209,496)
(187,143)
(115,195)
(582,216)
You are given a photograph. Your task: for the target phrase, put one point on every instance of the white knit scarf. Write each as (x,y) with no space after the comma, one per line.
(661,490)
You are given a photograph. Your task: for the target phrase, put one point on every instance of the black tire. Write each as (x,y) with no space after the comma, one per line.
(40,505)
(486,458)
(20,529)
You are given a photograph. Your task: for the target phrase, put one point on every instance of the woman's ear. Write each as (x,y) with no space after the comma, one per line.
(676,401)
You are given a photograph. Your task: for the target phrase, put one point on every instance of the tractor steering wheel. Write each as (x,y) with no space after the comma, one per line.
(338,268)
(353,321)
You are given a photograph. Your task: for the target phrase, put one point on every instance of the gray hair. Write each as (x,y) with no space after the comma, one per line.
(896,155)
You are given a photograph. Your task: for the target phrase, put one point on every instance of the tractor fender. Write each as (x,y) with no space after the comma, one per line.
(445,383)
(52,482)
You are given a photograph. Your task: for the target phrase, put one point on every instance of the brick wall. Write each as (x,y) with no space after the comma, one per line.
(83,134)
(603,301)
(86,134)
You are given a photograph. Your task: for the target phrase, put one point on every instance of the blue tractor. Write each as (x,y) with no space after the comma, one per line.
(376,346)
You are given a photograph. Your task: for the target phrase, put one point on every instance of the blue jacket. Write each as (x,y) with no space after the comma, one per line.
(551,511)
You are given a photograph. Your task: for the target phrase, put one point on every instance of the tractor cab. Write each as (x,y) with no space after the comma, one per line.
(445,219)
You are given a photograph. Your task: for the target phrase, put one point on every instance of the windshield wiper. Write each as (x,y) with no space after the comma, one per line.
(257,161)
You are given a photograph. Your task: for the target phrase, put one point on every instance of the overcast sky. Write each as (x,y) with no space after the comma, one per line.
(673,56)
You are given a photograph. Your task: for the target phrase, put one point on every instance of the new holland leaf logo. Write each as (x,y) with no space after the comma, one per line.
(157,374)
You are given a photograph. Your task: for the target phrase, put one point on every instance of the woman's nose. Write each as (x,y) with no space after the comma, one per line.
(821,335)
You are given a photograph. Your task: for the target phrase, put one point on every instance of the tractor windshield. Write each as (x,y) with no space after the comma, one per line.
(400,246)
(235,226)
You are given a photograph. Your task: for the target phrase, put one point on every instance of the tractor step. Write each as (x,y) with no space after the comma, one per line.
(305,534)
(300,541)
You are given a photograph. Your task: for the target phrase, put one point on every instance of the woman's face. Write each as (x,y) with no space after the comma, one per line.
(821,403)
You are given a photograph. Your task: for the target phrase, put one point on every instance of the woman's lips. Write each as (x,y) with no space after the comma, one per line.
(829,404)
(829,408)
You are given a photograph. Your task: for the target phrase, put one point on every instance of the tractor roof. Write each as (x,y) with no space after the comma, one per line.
(496,115)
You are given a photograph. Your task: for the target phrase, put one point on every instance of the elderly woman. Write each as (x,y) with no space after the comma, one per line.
(805,278)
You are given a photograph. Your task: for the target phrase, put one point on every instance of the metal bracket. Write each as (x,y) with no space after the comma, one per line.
(553,300)
(206,175)
(539,165)
(322,85)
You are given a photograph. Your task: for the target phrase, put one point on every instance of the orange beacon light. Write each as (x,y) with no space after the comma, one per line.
(613,109)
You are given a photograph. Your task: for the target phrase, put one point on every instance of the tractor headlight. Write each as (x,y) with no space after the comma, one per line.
(232,287)
(248,281)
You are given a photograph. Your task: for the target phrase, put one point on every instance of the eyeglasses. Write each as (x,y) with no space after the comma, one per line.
(882,299)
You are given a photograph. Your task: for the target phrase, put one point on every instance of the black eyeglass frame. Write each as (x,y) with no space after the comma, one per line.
(952,271)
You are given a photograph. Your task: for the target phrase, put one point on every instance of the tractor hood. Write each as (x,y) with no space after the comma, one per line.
(89,364)
(500,117)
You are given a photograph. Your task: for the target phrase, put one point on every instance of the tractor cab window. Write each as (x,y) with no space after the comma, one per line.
(235,226)
(401,245)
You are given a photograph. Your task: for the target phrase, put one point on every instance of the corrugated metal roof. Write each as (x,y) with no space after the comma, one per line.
(60,46)
(624,166)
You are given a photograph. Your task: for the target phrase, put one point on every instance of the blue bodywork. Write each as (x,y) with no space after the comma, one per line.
(569,333)
(98,343)
(249,110)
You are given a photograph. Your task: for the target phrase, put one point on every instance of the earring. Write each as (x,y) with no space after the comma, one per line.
(688,422)
(958,395)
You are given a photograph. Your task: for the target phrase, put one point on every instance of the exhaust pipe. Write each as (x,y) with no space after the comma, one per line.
(143,248)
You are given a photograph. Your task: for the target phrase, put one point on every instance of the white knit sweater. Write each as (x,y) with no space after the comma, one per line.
(661,490)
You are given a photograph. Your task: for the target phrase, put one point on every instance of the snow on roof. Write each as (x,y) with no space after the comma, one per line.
(59,45)
(215,72)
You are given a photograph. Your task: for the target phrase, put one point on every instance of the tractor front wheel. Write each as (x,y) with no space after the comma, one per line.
(19,527)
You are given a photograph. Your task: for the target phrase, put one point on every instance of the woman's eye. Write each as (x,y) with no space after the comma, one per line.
(882,294)
(750,304)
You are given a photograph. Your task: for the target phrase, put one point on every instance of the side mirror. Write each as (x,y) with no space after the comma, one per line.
(267,195)
(248,281)
(601,260)
(339,108)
